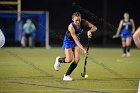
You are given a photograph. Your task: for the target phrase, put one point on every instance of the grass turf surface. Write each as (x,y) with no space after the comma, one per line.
(31,71)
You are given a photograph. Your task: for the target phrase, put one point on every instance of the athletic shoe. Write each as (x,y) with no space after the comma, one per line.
(57,64)
(123,55)
(128,54)
(67,78)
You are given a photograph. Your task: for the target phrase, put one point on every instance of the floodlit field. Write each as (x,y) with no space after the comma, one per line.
(31,71)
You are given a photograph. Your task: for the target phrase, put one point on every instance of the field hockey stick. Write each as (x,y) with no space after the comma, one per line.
(86,56)
(114,36)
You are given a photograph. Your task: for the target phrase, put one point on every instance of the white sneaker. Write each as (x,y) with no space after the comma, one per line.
(57,64)
(123,55)
(67,78)
(128,54)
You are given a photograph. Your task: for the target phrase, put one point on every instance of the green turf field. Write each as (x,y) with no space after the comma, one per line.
(31,71)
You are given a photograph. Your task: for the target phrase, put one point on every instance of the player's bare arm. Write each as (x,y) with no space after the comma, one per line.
(133,25)
(119,28)
(72,32)
(91,26)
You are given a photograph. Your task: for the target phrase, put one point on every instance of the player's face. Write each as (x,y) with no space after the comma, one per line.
(77,20)
(126,15)
(29,21)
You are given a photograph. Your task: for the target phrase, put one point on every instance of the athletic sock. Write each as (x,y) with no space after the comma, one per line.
(124,50)
(71,68)
(62,60)
(128,48)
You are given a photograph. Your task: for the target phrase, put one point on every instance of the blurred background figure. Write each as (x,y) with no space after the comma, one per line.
(28,34)
(127,28)
(136,38)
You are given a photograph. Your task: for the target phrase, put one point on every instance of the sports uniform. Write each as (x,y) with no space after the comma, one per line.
(68,40)
(72,45)
(126,30)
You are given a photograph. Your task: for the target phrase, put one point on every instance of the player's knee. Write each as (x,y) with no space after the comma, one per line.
(68,60)
(76,60)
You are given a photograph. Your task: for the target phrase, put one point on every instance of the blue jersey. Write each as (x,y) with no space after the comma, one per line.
(68,40)
(126,25)
(126,29)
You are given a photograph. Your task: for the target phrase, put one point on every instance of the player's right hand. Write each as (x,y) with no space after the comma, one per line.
(117,35)
(85,52)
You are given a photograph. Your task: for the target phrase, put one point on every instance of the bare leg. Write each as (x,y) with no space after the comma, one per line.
(30,41)
(23,41)
(128,43)
(68,53)
(77,55)
(76,60)
(124,47)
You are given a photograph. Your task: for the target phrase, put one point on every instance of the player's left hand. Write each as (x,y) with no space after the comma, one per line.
(89,34)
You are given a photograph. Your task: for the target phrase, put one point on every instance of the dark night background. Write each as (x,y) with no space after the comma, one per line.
(60,12)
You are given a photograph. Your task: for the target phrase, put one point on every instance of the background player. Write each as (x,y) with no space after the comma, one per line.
(72,45)
(127,27)
(28,33)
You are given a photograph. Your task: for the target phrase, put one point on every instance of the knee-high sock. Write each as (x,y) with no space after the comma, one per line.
(71,68)
(124,50)
(128,48)
(62,60)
